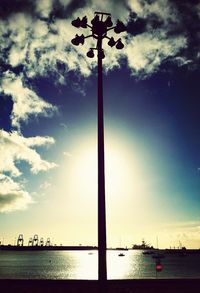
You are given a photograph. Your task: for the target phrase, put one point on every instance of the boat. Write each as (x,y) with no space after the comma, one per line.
(158,254)
(121,254)
(144,246)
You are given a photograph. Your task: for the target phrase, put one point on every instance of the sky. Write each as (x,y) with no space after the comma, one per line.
(48,123)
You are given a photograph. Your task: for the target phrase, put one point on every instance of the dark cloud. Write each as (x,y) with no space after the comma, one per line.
(9,199)
(136,25)
(8,7)
(60,11)
(12,195)
(6,106)
(189,24)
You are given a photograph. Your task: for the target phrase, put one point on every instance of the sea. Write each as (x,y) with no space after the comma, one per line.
(84,265)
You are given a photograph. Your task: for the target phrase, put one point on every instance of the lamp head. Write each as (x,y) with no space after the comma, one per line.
(78,40)
(81,39)
(119,45)
(108,21)
(99,27)
(84,22)
(111,42)
(95,20)
(90,53)
(76,22)
(120,27)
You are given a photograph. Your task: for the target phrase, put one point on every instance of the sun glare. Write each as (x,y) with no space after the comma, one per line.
(125,182)
(122,171)
(83,171)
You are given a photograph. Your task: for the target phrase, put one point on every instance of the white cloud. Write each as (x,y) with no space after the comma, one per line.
(17,55)
(16,148)
(65,2)
(60,49)
(14,34)
(44,7)
(26,102)
(40,45)
(40,29)
(12,195)
(18,27)
(163,9)
(117,8)
(198,9)
(45,185)
(180,61)
(146,51)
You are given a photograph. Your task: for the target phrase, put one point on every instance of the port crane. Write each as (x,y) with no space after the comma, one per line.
(20,240)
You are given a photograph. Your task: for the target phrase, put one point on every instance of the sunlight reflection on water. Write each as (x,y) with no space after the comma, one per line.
(84,265)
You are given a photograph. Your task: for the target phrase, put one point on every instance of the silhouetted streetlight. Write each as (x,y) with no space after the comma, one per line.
(99,29)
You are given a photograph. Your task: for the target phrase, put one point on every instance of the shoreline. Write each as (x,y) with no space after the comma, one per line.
(72,248)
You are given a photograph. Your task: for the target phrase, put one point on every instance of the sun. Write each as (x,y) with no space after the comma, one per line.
(121,169)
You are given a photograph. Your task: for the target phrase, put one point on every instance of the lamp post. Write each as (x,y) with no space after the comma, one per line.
(99,28)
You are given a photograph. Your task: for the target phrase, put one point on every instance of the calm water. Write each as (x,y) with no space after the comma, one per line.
(83,265)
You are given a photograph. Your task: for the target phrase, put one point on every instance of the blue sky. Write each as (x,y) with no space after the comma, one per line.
(48,124)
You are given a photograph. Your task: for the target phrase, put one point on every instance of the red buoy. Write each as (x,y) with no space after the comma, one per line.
(159,267)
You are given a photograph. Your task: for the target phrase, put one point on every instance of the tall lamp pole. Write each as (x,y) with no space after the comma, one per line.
(99,28)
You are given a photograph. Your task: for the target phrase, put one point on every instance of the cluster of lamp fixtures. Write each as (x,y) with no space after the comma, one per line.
(99,28)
